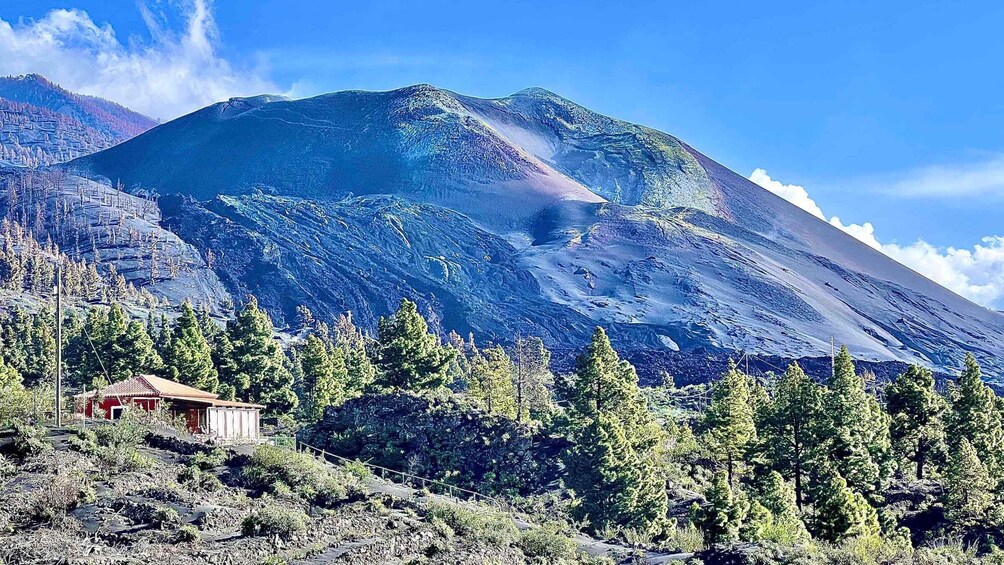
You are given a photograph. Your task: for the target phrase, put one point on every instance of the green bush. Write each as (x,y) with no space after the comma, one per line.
(7,469)
(196,479)
(683,538)
(358,469)
(274,521)
(547,543)
(123,459)
(84,440)
(165,517)
(30,440)
(218,457)
(186,534)
(481,524)
(273,468)
(120,433)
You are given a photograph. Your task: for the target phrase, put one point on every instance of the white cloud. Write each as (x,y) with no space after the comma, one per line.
(977,273)
(793,193)
(171,73)
(975,178)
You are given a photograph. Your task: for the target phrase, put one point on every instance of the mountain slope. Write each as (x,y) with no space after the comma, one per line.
(42,124)
(551,217)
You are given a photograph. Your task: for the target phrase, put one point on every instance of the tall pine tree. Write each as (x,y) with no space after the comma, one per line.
(260,373)
(787,430)
(729,419)
(975,416)
(190,358)
(490,381)
(531,378)
(855,433)
(916,427)
(613,467)
(969,488)
(324,378)
(408,356)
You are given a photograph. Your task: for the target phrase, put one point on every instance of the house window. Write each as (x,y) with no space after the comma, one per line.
(117,411)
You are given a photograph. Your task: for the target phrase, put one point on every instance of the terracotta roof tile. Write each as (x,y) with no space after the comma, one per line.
(149,385)
(170,388)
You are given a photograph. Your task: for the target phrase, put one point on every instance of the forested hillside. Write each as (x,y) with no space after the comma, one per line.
(837,468)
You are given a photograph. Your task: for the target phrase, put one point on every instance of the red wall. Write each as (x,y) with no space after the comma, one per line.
(88,408)
(106,404)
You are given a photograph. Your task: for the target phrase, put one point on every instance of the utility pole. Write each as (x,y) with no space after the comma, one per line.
(833,359)
(59,343)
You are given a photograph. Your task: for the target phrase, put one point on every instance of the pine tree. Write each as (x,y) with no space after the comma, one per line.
(969,487)
(607,478)
(729,419)
(138,356)
(975,417)
(786,432)
(606,404)
(261,374)
(778,497)
(840,512)
(491,381)
(221,351)
(190,359)
(353,343)
(916,410)
(324,378)
(408,356)
(721,517)
(531,378)
(603,383)
(15,401)
(855,434)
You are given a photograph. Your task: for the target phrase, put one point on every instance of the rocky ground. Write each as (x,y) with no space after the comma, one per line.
(152,503)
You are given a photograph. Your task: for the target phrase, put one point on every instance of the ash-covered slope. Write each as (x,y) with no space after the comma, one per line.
(544,217)
(42,124)
(118,232)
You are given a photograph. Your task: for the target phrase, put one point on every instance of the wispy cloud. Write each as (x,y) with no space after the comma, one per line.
(973,178)
(977,273)
(177,70)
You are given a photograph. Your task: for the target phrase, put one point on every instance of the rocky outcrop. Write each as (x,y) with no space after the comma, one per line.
(440,438)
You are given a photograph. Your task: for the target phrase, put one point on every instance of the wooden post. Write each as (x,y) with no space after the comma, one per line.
(59,342)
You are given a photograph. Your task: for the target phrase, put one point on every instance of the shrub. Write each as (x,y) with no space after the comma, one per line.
(196,479)
(124,432)
(122,459)
(683,538)
(187,533)
(547,543)
(59,494)
(30,440)
(84,440)
(165,517)
(273,469)
(480,524)
(274,521)
(358,469)
(216,458)
(7,469)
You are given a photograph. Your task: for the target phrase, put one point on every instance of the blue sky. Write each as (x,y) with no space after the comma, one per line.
(888,114)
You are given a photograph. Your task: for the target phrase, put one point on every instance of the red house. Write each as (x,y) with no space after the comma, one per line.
(205,413)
